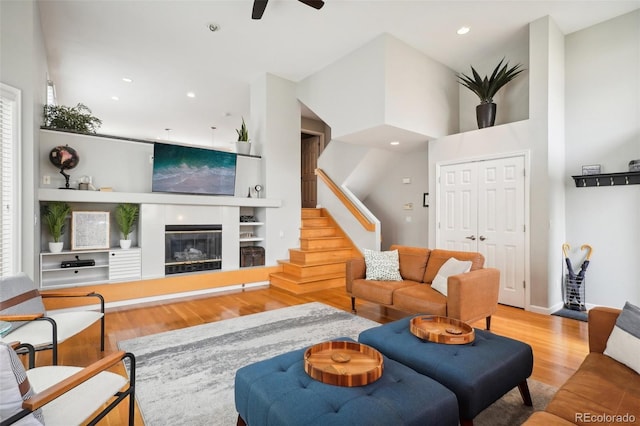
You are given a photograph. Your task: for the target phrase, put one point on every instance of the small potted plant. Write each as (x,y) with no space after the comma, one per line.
(77,118)
(126,217)
(243,146)
(55,214)
(486,88)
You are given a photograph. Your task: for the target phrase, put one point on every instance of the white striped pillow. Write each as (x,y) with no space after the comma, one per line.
(624,342)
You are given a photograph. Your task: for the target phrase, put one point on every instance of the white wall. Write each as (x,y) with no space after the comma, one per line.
(389,197)
(24,67)
(383,91)
(603,127)
(125,166)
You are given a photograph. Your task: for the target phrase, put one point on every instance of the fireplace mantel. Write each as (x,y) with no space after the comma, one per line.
(77,196)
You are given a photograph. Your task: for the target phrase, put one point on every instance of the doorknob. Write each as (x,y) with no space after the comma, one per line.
(472,238)
(482,238)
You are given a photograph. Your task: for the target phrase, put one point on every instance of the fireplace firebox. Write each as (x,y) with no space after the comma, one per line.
(191,248)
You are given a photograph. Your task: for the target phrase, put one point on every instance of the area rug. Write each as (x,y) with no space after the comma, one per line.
(186,376)
(570,313)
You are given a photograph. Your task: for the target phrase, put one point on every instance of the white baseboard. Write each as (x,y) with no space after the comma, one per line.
(159,298)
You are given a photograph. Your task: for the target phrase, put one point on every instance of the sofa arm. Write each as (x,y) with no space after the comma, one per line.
(473,295)
(355,270)
(601,323)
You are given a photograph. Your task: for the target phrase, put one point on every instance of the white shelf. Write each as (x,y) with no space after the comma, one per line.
(251,223)
(78,196)
(245,240)
(110,265)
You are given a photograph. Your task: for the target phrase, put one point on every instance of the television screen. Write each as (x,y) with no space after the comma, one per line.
(191,170)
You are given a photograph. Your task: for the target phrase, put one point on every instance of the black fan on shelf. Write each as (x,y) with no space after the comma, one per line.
(260,5)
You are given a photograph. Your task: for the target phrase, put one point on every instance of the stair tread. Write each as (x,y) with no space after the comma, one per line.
(318,263)
(320,250)
(289,277)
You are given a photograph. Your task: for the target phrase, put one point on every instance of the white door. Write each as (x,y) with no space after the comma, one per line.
(482,209)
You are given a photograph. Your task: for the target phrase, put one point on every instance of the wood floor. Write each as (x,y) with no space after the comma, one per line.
(559,344)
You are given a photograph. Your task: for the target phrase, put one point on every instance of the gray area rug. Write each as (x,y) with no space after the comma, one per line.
(186,376)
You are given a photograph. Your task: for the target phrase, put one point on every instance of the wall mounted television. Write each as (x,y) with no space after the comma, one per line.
(191,170)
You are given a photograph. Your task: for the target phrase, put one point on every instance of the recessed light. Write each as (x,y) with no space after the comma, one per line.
(463,30)
(394,143)
(115,98)
(191,95)
(127,80)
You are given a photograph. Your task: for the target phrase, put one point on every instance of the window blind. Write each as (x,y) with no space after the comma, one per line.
(9,173)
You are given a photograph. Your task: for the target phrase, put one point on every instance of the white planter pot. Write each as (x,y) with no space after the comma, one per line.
(125,244)
(243,147)
(55,247)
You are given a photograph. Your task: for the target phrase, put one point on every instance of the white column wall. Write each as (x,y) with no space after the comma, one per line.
(275,124)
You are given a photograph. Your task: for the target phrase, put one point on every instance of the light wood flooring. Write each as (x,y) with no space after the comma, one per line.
(559,344)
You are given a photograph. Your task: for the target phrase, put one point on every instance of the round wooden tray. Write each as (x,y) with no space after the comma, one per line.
(441,330)
(343,363)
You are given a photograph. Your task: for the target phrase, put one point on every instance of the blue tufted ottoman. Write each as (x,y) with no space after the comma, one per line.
(278,392)
(479,373)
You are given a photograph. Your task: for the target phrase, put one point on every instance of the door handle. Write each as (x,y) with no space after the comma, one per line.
(482,238)
(472,238)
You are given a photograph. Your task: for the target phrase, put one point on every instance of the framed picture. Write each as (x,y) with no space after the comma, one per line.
(425,199)
(89,230)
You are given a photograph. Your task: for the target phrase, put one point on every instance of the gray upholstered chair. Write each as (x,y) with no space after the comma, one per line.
(62,395)
(21,305)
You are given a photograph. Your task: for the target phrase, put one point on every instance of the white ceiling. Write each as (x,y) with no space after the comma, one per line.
(166,47)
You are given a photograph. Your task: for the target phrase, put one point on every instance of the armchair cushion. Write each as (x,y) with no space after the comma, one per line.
(624,342)
(382,265)
(15,388)
(452,266)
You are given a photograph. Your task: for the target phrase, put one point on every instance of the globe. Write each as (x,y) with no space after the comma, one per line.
(64,158)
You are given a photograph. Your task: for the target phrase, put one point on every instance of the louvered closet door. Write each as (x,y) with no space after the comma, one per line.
(482,209)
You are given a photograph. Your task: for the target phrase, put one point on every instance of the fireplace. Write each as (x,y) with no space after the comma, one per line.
(190,248)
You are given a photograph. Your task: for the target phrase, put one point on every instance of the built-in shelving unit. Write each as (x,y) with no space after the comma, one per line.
(109,265)
(607,179)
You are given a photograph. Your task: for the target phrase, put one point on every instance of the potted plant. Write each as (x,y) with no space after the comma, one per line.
(55,215)
(243,146)
(486,88)
(77,118)
(126,216)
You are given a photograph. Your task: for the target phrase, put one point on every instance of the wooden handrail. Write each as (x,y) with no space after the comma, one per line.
(364,221)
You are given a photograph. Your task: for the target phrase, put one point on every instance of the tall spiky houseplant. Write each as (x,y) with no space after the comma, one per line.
(54,215)
(487,87)
(243,146)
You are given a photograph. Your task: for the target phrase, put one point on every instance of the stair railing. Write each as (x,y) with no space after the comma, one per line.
(346,201)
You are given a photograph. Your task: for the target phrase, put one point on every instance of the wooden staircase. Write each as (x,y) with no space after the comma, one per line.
(320,261)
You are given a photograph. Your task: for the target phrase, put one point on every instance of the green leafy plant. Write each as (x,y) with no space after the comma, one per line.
(77,118)
(55,214)
(126,216)
(243,133)
(486,88)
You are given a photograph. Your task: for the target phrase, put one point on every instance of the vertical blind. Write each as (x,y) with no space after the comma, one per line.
(9,172)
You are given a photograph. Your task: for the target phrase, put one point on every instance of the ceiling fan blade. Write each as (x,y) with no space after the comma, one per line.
(316,4)
(258,8)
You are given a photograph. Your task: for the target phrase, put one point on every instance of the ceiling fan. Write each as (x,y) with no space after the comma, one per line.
(260,5)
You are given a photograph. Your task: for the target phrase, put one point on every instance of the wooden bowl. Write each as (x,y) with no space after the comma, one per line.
(343,363)
(438,329)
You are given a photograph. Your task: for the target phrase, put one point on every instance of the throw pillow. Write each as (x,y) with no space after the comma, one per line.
(624,342)
(452,266)
(15,388)
(382,265)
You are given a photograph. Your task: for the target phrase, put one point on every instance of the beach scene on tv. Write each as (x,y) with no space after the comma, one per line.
(191,170)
